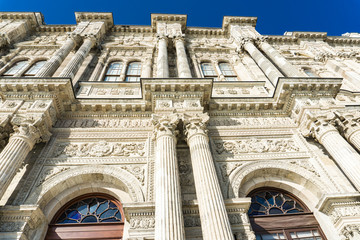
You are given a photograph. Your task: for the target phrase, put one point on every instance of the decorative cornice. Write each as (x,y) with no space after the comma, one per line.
(105,17)
(35,18)
(168,18)
(240,21)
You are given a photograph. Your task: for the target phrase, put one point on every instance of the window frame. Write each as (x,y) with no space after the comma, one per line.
(20,71)
(137,76)
(233,75)
(284,223)
(81,230)
(30,66)
(113,75)
(213,69)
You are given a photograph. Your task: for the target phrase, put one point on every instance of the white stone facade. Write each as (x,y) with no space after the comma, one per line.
(181,148)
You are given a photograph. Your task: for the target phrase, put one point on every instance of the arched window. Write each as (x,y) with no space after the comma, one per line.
(34,69)
(88,217)
(276,214)
(208,70)
(310,72)
(133,72)
(227,71)
(113,72)
(16,68)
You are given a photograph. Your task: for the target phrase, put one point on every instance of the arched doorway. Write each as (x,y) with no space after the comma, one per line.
(276,214)
(95,216)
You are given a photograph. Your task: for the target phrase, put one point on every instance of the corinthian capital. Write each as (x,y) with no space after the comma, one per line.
(165,125)
(32,129)
(242,42)
(261,39)
(196,124)
(347,124)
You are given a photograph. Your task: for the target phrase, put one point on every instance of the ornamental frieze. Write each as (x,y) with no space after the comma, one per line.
(103,123)
(254,145)
(99,149)
(261,122)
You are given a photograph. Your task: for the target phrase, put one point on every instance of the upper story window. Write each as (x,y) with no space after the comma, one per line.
(113,72)
(310,72)
(34,69)
(227,71)
(208,70)
(16,68)
(133,72)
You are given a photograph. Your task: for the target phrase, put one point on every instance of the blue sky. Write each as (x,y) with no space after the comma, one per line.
(274,17)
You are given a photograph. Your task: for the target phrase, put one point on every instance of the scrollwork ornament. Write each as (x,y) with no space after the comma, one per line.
(196,124)
(165,125)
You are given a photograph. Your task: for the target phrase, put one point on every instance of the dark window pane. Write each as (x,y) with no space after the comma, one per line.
(108,213)
(89,219)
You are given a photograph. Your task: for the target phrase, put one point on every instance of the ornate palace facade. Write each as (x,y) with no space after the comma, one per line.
(172,132)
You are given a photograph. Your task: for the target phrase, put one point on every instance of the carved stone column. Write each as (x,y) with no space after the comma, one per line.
(169,222)
(266,66)
(73,66)
(350,128)
(25,136)
(181,58)
(342,152)
(278,59)
(162,70)
(55,61)
(214,219)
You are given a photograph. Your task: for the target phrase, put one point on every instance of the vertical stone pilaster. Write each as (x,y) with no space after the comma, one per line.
(25,136)
(55,61)
(162,70)
(342,152)
(73,66)
(146,72)
(169,222)
(214,219)
(288,69)
(182,61)
(99,68)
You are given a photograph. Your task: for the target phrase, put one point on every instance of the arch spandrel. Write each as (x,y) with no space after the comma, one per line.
(290,177)
(54,186)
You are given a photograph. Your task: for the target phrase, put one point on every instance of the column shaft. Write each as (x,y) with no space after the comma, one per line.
(11,158)
(268,68)
(55,61)
(73,66)
(214,219)
(162,70)
(342,152)
(181,59)
(288,69)
(169,222)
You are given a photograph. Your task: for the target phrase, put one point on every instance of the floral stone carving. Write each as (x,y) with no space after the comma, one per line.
(100,149)
(255,146)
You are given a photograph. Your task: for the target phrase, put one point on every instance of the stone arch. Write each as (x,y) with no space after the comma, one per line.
(13,61)
(113,176)
(290,177)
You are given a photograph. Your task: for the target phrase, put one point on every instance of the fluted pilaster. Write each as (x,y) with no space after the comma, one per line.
(20,143)
(288,69)
(73,66)
(342,152)
(169,222)
(162,70)
(181,58)
(146,71)
(266,66)
(214,219)
(55,61)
